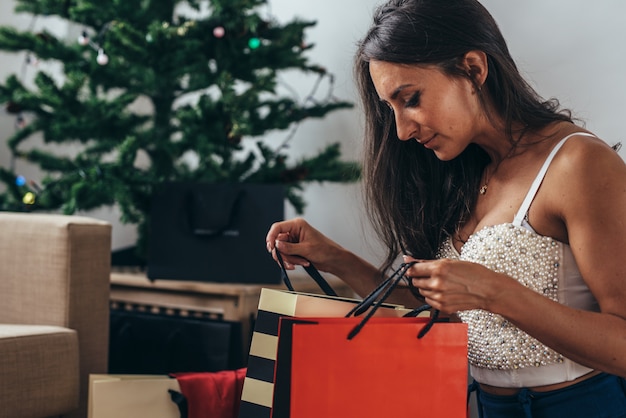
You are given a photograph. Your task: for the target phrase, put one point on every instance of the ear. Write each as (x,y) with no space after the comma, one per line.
(475,64)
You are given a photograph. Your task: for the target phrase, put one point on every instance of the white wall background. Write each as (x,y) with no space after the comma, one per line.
(570,49)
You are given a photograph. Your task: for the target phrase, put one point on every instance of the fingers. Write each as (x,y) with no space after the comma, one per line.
(301,244)
(284,238)
(452,285)
(293,262)
(421,268)
(284,231)
(425,278)
(289,253)
(271,245)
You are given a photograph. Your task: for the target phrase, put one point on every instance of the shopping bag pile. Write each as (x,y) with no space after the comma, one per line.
(327,356)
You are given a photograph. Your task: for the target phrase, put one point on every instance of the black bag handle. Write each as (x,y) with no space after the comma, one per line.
(211,211)
(181,402)
(377,297)
(371,302)
(312,271)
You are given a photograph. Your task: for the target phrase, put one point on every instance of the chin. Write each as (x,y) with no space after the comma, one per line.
(444,156)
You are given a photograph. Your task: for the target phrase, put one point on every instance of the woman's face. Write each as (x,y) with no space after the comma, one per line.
(440,112)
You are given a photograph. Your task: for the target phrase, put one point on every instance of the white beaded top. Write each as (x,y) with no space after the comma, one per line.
(495,343)
(501,354)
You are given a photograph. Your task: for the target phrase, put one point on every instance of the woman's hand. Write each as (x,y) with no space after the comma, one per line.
(452,285)
(300,244)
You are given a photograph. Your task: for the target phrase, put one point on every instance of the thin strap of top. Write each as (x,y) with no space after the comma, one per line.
(523,210)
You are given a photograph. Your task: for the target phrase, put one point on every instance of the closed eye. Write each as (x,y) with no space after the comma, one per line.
(388,105)
(414,100)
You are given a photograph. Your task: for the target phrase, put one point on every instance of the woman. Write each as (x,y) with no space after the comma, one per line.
(516,214)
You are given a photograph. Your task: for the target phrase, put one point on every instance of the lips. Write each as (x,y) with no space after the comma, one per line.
(426,141)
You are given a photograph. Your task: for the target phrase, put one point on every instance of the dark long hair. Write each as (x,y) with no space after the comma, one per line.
(415,200)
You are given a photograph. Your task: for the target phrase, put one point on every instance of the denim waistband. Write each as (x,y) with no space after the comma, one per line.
(607,392)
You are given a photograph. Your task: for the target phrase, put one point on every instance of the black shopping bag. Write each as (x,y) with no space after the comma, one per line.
(213,232)
(147,343)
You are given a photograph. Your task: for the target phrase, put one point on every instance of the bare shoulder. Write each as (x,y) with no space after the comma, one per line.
(589,159)
(586,178)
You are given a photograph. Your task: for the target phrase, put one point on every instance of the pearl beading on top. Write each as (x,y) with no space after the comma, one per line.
(533,260)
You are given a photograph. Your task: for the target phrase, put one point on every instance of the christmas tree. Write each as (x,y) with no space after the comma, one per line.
(208,75)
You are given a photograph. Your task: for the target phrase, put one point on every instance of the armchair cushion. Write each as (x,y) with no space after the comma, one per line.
(40,367)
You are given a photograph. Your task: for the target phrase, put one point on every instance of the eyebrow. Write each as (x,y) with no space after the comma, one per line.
(397,91)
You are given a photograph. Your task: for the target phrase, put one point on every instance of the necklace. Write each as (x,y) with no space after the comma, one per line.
(485,186)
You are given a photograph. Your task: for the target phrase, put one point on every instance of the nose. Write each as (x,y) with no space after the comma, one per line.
(406,128)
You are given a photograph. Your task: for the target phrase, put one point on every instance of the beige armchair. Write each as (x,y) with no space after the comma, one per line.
(54,312)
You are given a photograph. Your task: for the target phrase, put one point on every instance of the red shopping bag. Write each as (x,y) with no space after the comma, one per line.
(210,394)
(384,371)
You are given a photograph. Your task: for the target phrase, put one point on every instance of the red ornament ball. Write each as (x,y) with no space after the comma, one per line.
(219,32)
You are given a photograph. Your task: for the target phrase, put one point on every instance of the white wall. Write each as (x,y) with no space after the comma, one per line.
(570,49)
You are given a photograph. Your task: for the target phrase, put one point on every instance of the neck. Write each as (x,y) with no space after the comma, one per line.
(498,151)
(498,145)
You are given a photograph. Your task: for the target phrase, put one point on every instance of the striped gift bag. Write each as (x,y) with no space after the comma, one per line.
(258,387)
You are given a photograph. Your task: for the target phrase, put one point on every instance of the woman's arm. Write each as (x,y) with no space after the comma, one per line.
(589,197)
(300,243)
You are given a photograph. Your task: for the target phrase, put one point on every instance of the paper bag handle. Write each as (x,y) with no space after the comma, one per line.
(377,297)
(371,302)
(312,271)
